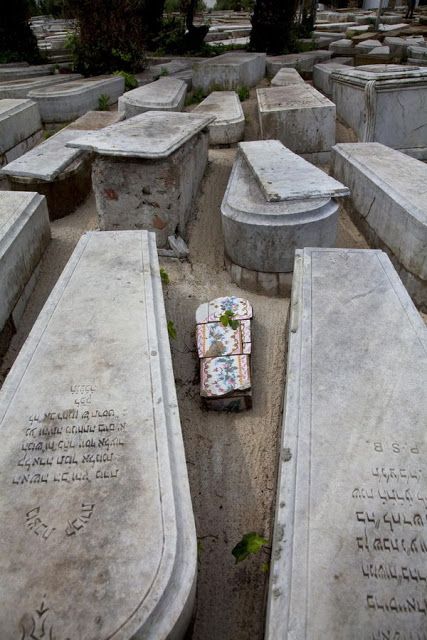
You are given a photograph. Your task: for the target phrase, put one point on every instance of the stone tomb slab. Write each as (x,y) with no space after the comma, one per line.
(286,76)
(63,103)
(275,202)
(21,88)
(148,170)
(384,103)
(302,62)
(322,76)
(352,489)
(166,94)
(229,71)
(389,204)
(229,124)
(20,128)
(19,72)
(24,235)
(300,117)
(93,477)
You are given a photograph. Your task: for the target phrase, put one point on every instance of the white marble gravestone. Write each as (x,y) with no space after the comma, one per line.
(21,88)
(285,76)
(302,62)
(19,72)
(389,205)
(229,124)
(148,170)
(384,103)
(20,128)
(229,71)
(299,116)
(349,558)
(165,94)
(97,530)
(322,75)
(275,202)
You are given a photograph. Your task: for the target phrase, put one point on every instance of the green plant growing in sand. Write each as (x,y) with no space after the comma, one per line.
(251,543)
(243,92)
(171,330)
(164,276)
(103,102)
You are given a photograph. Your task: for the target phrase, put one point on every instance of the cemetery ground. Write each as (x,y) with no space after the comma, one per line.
(231,458)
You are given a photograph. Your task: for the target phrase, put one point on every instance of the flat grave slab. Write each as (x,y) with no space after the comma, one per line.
(344,47)
(20,128)
(21,88)
(322,75)
(24,235)
(148,170)
(229,124)
(286,76)
(302,62)
(66,102)
(165,94)
(169,68)
(351,495)
(299,116)
(229,71)
(389,204)
(384,103)
(19,72)
(275,202)
(93,477)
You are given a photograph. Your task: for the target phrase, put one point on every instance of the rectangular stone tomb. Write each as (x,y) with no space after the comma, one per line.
(322,76)
(20,128)
(61,173)
(170,68)
(286,76)
(300,117)
(229,124)
(166,94)
(19,72)
(148,170)
(93,474)
(229,71)
(302,62)
(63,103)
(275,202)
(384,103)
(349,556)
(223,335)
(21,88)
(389,205)
(24,235)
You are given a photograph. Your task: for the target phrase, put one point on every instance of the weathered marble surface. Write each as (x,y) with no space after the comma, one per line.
(299,116)
(366,46)
(229,124)
(344,47)
(165,94)
(20,72)
(104,498)
(66,102)
(389,204)
(20,128)
(286,76)
(24,235)
(229,71)
(170,68)
(384,103)
(302,62)
(349,547)
(322,75)
(21,88)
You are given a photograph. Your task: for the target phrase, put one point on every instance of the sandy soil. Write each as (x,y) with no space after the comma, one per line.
(231,458)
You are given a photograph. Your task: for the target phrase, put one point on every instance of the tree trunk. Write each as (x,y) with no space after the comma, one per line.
(273,25)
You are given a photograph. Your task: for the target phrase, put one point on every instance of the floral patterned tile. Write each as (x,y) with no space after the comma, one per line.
(212,311)
(224,375)
(213,339)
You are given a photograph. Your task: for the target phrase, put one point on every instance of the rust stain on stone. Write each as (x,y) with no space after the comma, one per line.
(158,223)
(111,194)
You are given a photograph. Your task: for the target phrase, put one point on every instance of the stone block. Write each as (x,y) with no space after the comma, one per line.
(24,235)
(66,102)
(229,124)
(166,94)
(276,202)
(384,103)
(20,72)
(21,88)
(417,52)
(351,492)
(148,170)
(93,467)
(286,76)
(302,62)
(229,71)
(300,117)
(344,47)
(20,128)
(366,46)
(388,205)
(170,68)
(322,75)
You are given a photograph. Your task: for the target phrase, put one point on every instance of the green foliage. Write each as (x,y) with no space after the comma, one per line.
(171,330)
(130,81)
(17,41)
(164,276)
(163,72)
(234,5)
(273,26)
(103,102)
(251,543)
(243,92)
(227,319)
(265,567)
(194,97)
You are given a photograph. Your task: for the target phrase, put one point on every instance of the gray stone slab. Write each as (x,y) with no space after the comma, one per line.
(389,203)
(166,94)
(66,102)
(94,479)
(349,547)
(24,235)
(322,75)
(302,62)
(21,88)
(151,135)
(283,175)
(366,46)
(229,124)
(19,121)
(286,76)
(229,71)
(170,68)
(19,72)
